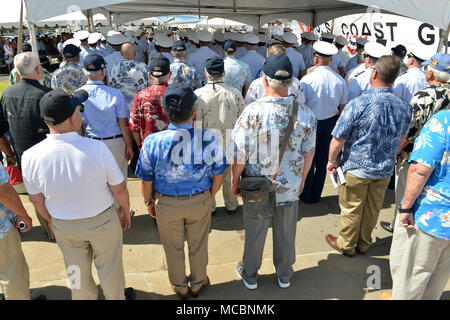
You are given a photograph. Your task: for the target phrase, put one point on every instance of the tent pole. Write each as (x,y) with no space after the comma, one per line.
(32,29)
(89,20)
(19,42)
(259,21)
(446,38)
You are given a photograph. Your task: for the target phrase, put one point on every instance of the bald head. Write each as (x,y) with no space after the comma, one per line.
(128,51)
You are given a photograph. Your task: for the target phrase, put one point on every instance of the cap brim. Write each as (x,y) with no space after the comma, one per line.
(79,96)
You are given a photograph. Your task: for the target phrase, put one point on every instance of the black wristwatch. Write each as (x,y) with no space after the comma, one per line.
(149,203)
(409,210)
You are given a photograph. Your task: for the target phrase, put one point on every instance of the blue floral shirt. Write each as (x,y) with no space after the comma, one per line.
(129,77)
(172,160)
(237,73)
(7,217)
(182,73)
(70,77)
(372,125)
(255,141)
(432,149)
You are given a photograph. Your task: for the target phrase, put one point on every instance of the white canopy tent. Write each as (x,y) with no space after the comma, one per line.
(219,23)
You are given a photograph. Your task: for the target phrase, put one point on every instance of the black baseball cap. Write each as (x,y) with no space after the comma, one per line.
(215,66)
(276,67)
(179,46)
(178,102)
(159,65)
(229,45)
(399,50)
(71,51)
(94,62)
(26,47)
(58,105)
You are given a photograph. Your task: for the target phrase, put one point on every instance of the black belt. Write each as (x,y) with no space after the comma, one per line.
(109,138)
(181,197)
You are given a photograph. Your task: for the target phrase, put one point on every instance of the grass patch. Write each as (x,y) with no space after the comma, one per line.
(3,86)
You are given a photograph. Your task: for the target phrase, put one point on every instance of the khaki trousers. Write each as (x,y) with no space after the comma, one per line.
(117,148)
(401,174)
(98,238)
(420,264)
(14,273)
(360,201)
(231,201)
(190,216)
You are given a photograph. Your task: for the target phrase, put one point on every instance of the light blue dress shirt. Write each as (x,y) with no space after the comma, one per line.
(240,52)
(254,60)
(307,52)
(83,54)
(409,83)
(360,84)
(297,61)
(104,106)
(198,59)
(337,61)
(324,91)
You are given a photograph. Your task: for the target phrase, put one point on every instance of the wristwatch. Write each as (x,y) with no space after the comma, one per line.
(148,203)
(333,161)
(409,210)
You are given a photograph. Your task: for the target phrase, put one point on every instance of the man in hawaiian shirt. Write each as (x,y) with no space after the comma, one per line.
(260,121)
(147,115)
(237,73)
(14,273)
(71,76)
(420,252)
(425,103)
(370,130)
(181,72)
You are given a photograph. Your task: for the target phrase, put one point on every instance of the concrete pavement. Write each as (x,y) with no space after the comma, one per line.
(320,272)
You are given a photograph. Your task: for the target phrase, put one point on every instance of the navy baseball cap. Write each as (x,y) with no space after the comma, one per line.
(399,50)
(178,102)
(71,51)
(26,47)
(215,66)
(278,66)
(58,105)
(179,46)
(94,62)
(440,61)
(229,45)
(159,65)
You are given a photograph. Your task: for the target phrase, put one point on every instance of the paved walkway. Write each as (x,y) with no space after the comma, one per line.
(320,272)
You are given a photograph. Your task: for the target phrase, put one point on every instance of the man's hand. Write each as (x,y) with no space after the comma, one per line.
(236,189)
(28,222)
(129,153)
(11,161)
(50,226)
(302,186)
(332,166)
(406,220)
(125,218)
(151,210)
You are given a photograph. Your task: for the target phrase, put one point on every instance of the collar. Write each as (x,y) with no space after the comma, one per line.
(67,136)
(381,90)
(416,69)
(92,82)
(173,126)
(31,81)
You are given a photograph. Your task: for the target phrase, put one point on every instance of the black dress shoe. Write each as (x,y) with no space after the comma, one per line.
(130,294)
(386,226)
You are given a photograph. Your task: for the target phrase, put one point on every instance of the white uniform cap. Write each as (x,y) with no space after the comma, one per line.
(94,38)
(111,32)
(81,35)
(204,35)
(240,37)
(327,35)
(376,50)
(340,40)
(309,36)
(103,38)
(251,39)
(422,53)
(130,39)
(228,36)
(130,33)
(289,37)
(220,37)
(165,42)
(117,39)
(325,48)
(361,41)
(75,42)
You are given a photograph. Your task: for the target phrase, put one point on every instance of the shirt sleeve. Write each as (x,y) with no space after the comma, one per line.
(28,175)
(302,62)
(309,139)
(145,168)
(344,126)
(114,175)
(431,143)
(308,92)
(353,90)
(4,178)
(122,110)
(134,121)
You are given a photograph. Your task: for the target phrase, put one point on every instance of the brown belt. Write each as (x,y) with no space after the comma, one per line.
(181,197)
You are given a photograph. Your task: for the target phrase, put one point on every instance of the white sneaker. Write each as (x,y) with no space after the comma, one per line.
(283,285)
(239,270)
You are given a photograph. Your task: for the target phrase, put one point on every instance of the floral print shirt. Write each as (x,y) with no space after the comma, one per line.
(7,217)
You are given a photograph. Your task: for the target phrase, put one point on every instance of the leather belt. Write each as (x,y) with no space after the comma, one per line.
(181,197)
(108,138)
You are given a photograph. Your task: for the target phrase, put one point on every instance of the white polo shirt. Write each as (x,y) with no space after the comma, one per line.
(73,173)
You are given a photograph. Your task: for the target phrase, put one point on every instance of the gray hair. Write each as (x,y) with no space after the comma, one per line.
(26,63)
(164,78)
(92,74)
(440,76)
(388,68)
(214,78)
(282,84)
(179,54)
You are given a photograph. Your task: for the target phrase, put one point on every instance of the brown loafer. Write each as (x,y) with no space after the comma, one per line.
(204,284)
(332,241)
(181,295)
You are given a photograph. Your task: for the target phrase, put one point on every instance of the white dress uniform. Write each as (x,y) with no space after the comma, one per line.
(254,60)
(360,84)
(83,54)
(197,60)
(307,52)
(353,62)
(353,73)
(406,85)
(257,90)
(296,59)
(338,60)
